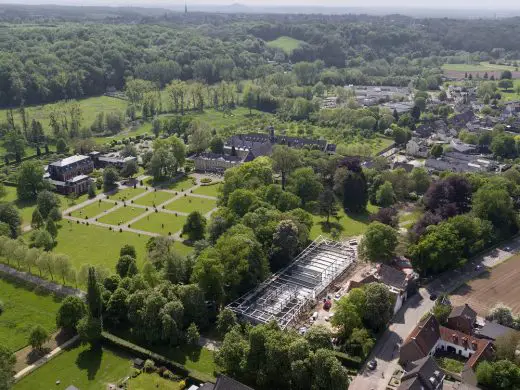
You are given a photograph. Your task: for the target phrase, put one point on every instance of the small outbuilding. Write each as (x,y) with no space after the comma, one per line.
(138,363)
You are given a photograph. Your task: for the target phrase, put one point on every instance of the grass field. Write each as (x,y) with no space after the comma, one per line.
(180,185)
(152,381)
(154,198)
(127,193)
(92,210)
(481,67)
(96,245)
(211,190)
(122,215)
(365,147)
(26,208)
(90,107)
(161,223)
(24,307)
(348,225)
(187,204)
(287,44)
(510,94)
(81,366)
(179,247)
(498,285)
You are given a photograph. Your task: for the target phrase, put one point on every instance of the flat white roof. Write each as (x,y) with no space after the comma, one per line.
(69,160)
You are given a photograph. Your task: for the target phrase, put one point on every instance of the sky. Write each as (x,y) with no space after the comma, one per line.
(436,4)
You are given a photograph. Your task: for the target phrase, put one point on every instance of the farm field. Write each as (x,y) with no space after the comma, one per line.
(127,193)
(154,198)
(287,44)
(161,223)
(24,306)
(210,190)
(122,215)
(96,245)
(92,210)
(459,70)
(187,204)
(348,225)
(499,285)
(82,366)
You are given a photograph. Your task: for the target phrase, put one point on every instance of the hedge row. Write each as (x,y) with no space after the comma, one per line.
(354,362)
(144,353)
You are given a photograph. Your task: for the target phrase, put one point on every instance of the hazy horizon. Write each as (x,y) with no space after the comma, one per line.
(490,5)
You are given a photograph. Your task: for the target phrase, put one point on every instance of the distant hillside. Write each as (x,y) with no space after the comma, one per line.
(287,44)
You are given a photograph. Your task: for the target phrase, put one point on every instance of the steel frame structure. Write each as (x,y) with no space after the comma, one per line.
(289,292)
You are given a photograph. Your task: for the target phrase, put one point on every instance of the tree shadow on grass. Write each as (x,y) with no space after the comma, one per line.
(327,227)
(90,360)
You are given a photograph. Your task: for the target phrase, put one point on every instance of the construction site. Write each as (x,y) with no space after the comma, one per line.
(293,290)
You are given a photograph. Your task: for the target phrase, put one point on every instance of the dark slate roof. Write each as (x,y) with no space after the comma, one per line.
(463,311)
(261,145)
(424,374)
(391,276)
(217,156)
(492,330)
(227,383)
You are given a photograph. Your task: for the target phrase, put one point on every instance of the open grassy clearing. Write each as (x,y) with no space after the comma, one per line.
(90,108)
(498,285)
(152,381)
(26,208)
(126,193)
(510,94)
(24,307)
(96,245)
(122,215)
(187,204)
(348,224)
(145,128)
(209,190)
(182,184)
(82,366)
(92,210)
(287,44)
(161,223)
(365,147)
(481,67)
(154,199)
(181,248)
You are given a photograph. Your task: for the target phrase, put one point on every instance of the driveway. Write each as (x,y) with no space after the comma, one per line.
(385,351)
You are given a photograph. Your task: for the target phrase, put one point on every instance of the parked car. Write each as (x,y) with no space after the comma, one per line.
(372,364)
(433,297)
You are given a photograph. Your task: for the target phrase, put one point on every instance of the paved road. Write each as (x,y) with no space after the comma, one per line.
(386,352)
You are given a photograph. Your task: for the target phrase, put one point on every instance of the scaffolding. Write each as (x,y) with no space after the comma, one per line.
(289,292)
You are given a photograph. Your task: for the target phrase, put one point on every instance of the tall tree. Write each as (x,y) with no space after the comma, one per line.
(379,243)
(93,294)
(285,160)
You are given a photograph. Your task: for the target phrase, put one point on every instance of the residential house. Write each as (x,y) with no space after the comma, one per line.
(401,284)
(70,175)
(460,120)
(429,337)
(416,148)
(423,374)
(462,147)
(110,159)
(462,318)
(492,330)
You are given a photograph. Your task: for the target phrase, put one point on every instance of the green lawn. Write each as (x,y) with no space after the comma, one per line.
(154,198)
(127,193)
(510,94)
(365,147)
(81,366)
(179,247)
(210,190)
(187,204)
(92,210)
(481,67)
(122,215)
(26,208)
(143,129)
(96,245)
(348,225)
(24,307)
(180,185)
(152,381)
(161,223)
(451,365)
(90,107)
(287,44)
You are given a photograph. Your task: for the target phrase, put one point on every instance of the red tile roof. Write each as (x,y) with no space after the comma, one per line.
(479,346)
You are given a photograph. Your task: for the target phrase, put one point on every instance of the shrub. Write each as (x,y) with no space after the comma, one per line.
(149,365)
(1,307)
(205,180)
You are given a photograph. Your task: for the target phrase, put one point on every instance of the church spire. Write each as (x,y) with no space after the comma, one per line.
(185,7)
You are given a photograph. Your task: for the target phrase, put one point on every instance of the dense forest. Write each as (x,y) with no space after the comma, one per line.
(50,56)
